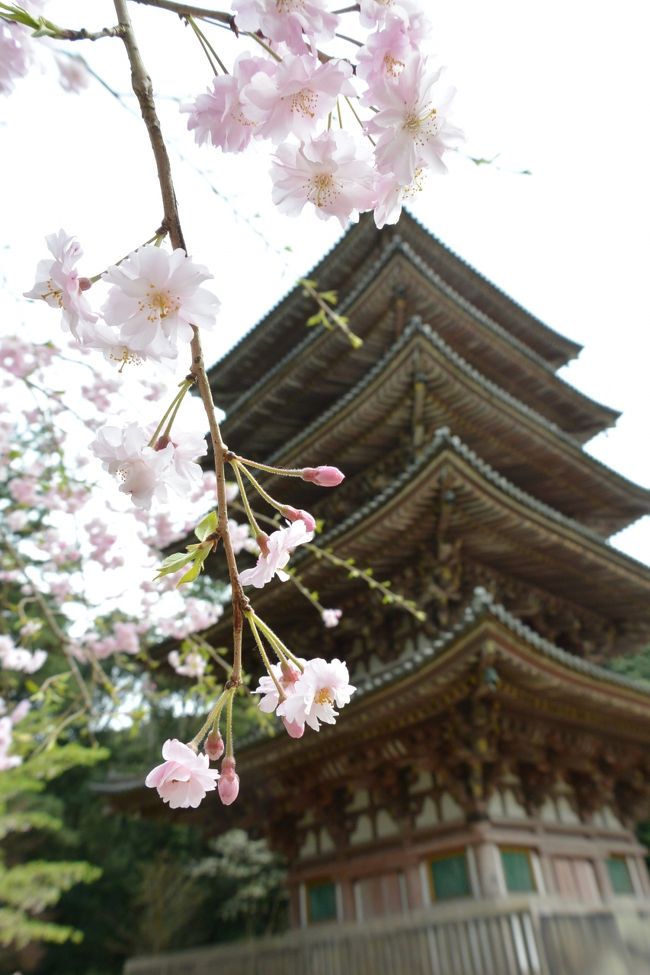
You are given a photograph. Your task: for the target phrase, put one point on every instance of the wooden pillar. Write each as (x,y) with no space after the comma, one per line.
(492,881)
(413,886)
(348,911)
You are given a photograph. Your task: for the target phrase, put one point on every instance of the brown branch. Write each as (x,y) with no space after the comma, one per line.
(143,90)
(83,35)
(189,10)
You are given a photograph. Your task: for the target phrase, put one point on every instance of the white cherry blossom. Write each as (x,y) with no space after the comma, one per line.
(321,687)
(155,299)
(280,545)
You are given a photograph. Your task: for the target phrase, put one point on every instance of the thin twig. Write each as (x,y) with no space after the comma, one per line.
(143,90)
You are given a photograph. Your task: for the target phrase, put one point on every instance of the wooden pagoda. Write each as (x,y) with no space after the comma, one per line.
(490,769)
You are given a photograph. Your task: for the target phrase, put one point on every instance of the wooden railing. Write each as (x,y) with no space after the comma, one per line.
(517,937)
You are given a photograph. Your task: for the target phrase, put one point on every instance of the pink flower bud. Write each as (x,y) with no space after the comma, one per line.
(298,514)
(214,746)
(84,284)
(228,786)
(294,728)
(323,476)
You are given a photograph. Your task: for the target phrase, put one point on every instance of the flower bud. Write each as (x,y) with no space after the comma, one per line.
(84,284)
(293,728)
(298,514)
(228,785)
(214,746)
(323,476)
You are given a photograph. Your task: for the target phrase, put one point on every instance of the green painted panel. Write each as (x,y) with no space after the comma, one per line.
(450,878)
(517,871)
(322,901)
(619,876)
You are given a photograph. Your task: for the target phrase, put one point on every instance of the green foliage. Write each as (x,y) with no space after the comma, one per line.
(255,875)
(195,555)
(635,665)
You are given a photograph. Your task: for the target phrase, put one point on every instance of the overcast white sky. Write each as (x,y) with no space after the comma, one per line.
(556,88)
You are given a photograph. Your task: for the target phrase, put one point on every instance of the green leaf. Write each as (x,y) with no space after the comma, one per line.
(206,526)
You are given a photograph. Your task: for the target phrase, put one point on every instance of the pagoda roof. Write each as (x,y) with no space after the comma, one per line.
(535,677)
(500,525)
(379,274)
(529,449)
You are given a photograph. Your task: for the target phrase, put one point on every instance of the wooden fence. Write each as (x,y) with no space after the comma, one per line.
(484,938)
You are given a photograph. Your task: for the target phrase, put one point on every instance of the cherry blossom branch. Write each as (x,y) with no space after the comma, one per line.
(189,10)
(143,90)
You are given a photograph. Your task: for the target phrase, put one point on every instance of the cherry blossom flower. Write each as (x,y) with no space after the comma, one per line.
(331,617)
(386,52)
(391,196)
(411,122)
(333,172)
(375,13)
(73,75)
(16,658)
(321,686)
(15,55)
(7,761)
(323,476)
(155,299)
(125,453)
(285,676)
(229,782)
(297,23)
(191,665)
(221,116)
(183,778)
(59,285)
(279,547)
(240,538)
(293,98)
(147,472)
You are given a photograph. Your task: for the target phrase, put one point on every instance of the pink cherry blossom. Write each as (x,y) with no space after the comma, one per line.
(125,453)
(411,124)
(286,678)
(391,196)
(220,116)
(280,545)
(184,777)
(323,476)
(296,96)
(191,665)
(184,473)
(385,52)
(332,172)
(331,617)
(229,782)
(16,658)
(300,24)
(321,686)
(59,285)
(375,13)
(240,538)
(73,76)
(15,55)
(156,298)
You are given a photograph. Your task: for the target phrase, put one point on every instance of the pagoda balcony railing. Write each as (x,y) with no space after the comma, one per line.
(515,936)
